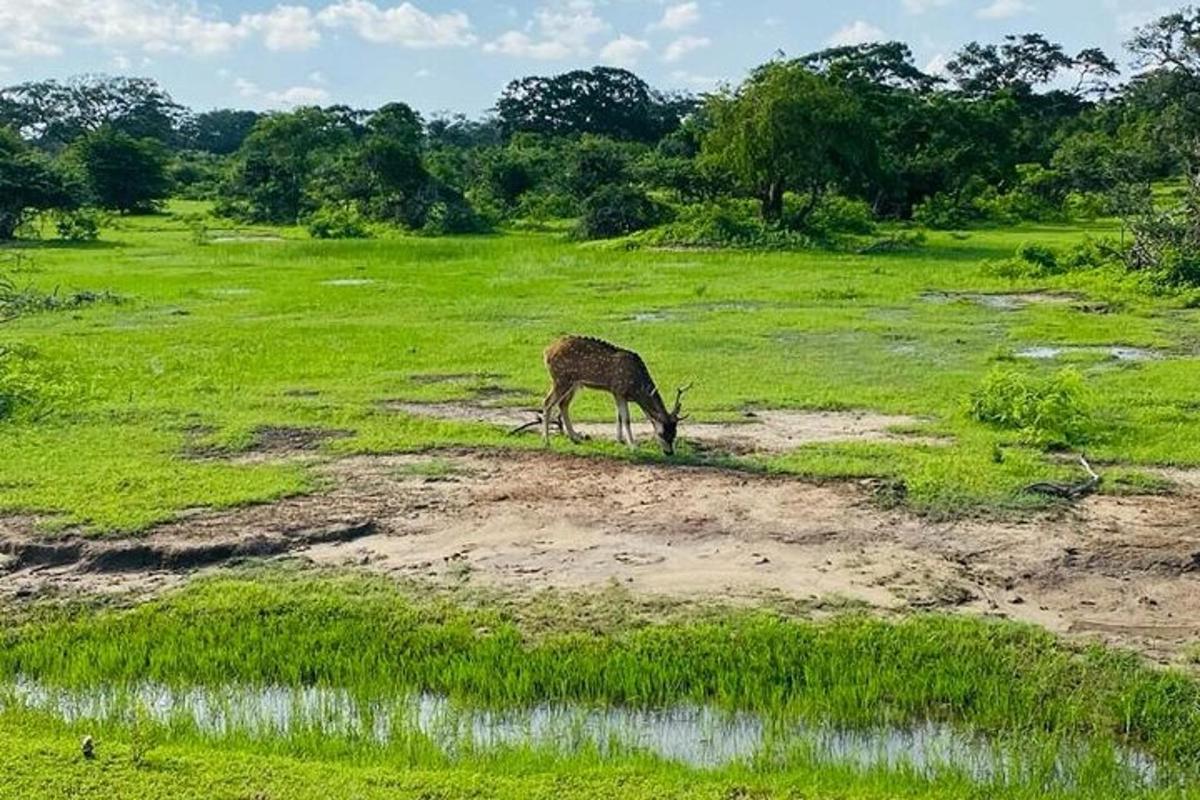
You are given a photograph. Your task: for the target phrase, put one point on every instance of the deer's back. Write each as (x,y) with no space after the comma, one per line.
(582,360)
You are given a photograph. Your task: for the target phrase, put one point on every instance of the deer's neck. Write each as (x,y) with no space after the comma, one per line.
(651,403)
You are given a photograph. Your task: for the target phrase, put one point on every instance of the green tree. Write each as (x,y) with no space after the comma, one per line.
(29,182)
(273,170)
(54,114)
(788,129)
(604,101)
(123,173)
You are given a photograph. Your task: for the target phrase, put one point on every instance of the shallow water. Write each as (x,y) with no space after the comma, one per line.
(1117,353)
(695,735)
(348,282)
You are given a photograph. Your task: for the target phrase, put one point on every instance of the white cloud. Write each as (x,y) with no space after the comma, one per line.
(678,17)
(937,65)
(698,82)
(679,48)
(46,27)
(284,98)
(921,6)
(1003,9)
(560,29)
(285,28)
(624,51)
(404,24)
(857,32)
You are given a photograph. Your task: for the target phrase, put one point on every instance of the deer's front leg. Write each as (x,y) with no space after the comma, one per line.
(564,413)
(624,432)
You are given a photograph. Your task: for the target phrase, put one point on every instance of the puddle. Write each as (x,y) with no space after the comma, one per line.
(1045,353)
(348,282)
(1002,302)
(695,735)
(767,431)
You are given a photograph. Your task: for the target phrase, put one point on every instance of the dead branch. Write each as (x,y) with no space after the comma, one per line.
(556,422)
(1069,491)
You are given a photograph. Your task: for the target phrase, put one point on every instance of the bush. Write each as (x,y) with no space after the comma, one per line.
(617,211)
(835,215)
(725,223)
(1031,261)
(1047,411)
(944,212)
(335,222)
(78,226)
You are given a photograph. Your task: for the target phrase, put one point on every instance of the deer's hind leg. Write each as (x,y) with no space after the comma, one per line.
(564,408)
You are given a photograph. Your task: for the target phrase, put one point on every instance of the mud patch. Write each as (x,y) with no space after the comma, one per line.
(1124,569)
(280,440)
(268,441)
(768,431)
(166,552)
(1003,302)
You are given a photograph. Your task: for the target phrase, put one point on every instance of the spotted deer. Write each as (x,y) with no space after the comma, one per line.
(578,362)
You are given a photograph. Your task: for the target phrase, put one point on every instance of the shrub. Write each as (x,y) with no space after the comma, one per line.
(617,211)
(1047,411)
(334,222)
(944,212)
(78,226)
(836,215)
(724,224)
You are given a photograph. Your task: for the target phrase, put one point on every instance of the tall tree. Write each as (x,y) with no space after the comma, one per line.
(54,114)
(220,131)
(123,173)
(788,129)
(604,101)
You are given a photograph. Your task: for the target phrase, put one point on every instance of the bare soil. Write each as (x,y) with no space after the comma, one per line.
(767,431)
(1125,570)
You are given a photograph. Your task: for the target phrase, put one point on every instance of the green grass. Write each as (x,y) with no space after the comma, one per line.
(232,336)
(1029,693)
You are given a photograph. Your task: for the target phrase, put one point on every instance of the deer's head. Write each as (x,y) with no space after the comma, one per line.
(667,429)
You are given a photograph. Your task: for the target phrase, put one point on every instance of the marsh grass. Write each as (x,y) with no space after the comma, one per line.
(1033,696)
(247,334)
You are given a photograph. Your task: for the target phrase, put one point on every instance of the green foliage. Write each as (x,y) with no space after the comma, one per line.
(337,222)
(82,225)
(788,129)
(834,215)
(123,173)
(1032,260)
(1047,411)
(616,210)
(724,224)
(30,183)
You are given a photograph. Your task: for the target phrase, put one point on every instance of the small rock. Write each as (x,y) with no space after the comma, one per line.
(1016,600)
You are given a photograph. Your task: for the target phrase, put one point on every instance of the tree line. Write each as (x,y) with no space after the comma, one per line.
(1020,129)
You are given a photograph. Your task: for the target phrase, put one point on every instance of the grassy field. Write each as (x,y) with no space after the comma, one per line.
(192,341)
(1031,699)
(213,340)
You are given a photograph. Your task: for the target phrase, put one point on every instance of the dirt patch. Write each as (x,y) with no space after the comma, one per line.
(1126,570)
(768,431)
(269,442)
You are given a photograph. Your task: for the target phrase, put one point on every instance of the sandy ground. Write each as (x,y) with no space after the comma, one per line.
(1125,570)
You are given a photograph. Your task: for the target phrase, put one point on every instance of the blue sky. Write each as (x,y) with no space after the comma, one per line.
(458,54)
